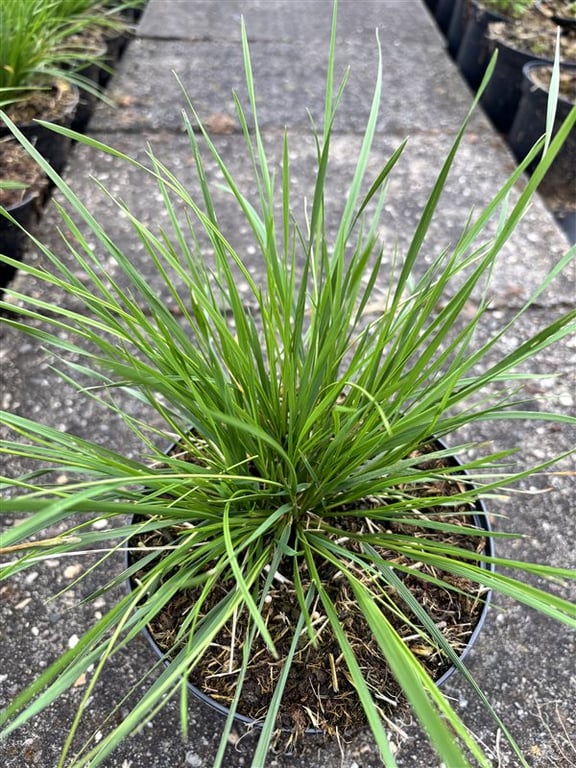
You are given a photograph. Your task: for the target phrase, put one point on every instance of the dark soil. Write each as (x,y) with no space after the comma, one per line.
(535,34)
(540,76)
(17,165)
(89,43)
(558,9)
(50,103)
(319,692)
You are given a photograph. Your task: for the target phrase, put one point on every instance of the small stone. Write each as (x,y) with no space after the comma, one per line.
(31,751)
(73,641)
(221,123)
(71,571)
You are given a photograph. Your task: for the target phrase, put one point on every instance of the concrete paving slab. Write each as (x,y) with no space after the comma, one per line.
(285,20)
(290,79)
(480,168)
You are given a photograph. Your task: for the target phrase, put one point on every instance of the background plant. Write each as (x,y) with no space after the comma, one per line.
(287,414)
(512,8)
(39,42)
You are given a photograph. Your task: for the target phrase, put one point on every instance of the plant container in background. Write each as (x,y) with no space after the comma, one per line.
(23,202)
(474,51)
(443,14)
(502,95)
(63,100)
(560,12)
(558,187)
(530,37)
(457,26)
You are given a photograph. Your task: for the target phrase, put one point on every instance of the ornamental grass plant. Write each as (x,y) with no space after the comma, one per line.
(39,43)
(305,437)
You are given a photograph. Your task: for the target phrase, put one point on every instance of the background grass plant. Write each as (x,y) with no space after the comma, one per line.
(39,42)
(287,416)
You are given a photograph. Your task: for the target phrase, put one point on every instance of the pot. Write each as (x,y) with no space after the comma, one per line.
(530,121)
(444,10)
(474,51)
(480,519)
(457,26)
(24,205)
(12,239)
(566,220)
(502,95)
(559,17)
(90,72)
(559,184)
(115,46)
(54,147)
(87,100)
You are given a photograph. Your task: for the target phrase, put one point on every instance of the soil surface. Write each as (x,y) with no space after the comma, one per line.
(320,693)
(559,10)
(540,76)
(510,9)
(17,165)
(52,102)
(535,34)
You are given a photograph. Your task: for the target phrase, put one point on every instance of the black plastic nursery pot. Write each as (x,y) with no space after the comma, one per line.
(443,13)
(87,100)
(54,147)
(502,96)
(474,50)
(115,46)
(457,26)
(23,203)
(12,238)
(479,519)
(562,19)
(559,184)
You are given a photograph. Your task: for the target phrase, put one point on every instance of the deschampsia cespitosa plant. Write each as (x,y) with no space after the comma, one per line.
(298,425)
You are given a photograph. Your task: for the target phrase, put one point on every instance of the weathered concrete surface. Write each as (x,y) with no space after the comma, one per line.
(289,79)
(480,166)
(523,662)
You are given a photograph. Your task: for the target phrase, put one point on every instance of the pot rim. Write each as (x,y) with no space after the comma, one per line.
(563,21)
(480,519)
(65,115)
(21,203)
(536,64)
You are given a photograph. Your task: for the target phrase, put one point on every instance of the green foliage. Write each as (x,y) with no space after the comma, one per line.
(288,415)
(38,42)
(512,8)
